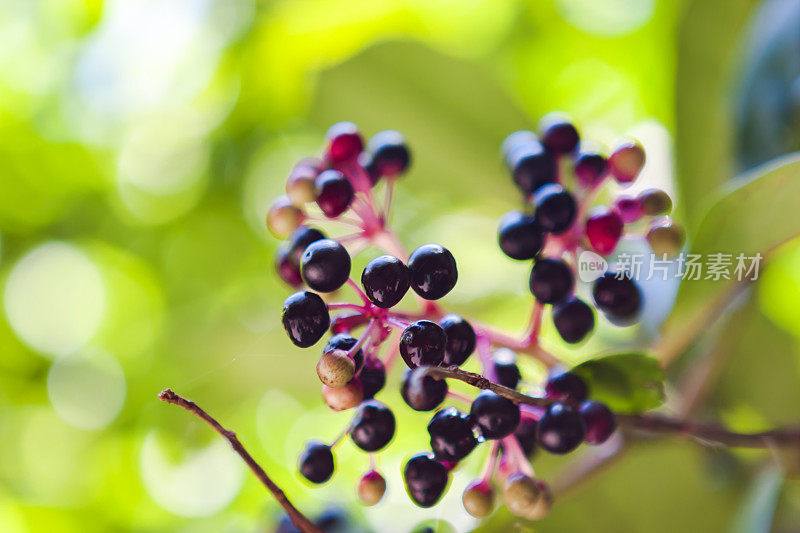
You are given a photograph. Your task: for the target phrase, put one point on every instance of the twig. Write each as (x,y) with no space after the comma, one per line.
(480,382)
(299,520)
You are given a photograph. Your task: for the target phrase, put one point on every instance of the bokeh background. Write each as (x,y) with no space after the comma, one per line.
(141,142)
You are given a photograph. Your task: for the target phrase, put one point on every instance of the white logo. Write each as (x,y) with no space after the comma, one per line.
(591,266)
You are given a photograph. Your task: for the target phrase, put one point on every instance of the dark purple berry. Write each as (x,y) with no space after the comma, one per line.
(373,426)
(316,462)
(551,280)
(532,166)
(334,192)
(426,479)
(526,435)
(574,319)
(561,429)
(343,341)
(514,141)
(559,135)
(495,415)
(565,387)
(301,238)
(505,368)
(287,267)
(460,339)
(555,208)
(452,435)
(433,271)
(519,236)
(591,168)
(422,344)
(390,154)
(617,296)
(423,392)
(344,142)
(305,318)
(373,377)
(385,280)
(325,265)
(600,422)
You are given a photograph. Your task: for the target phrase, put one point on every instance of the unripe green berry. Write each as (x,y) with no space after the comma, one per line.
(343,398)
(284,217)
(522,494)
(300,185)
(627,160)
(665,237)
(335,368)
(478,498)
(655,202)
(371,488)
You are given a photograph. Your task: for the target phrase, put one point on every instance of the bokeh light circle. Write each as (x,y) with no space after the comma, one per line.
(55,298)
(608,18)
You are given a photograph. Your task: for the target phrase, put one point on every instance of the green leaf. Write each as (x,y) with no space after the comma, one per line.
(627,383)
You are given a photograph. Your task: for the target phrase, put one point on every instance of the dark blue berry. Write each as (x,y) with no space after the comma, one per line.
(559,136)
(505,368)
(390,154)
(555,208)
(426,479)
(574,319)
(385,280)
(422,344)
(373,377)
(452,436)
(433,271)
(373,426)
(334,192)
(325,265)
(519,236)
(560,429)
(316,462)
(460,339)
(532,166)
(566,387)
(305,318)
(423,392)
(526,435)
(599,420)
(342,341)
(495,415)
(617,296)
(551,280)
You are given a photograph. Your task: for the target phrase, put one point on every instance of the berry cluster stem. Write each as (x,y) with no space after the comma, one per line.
(299,520)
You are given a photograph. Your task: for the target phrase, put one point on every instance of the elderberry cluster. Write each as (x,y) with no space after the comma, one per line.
(367,337)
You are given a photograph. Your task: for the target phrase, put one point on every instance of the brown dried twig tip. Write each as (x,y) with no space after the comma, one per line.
(299,520)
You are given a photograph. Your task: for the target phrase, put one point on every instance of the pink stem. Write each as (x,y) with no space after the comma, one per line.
(517,457)
(357,289)
(344,305)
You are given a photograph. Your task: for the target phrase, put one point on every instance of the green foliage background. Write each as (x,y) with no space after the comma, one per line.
(141,143)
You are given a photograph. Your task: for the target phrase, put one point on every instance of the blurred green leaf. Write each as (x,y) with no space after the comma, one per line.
(629,382)
(759,504)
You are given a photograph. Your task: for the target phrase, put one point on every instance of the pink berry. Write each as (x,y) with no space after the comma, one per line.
(344,142)
(630,209)
(603,229)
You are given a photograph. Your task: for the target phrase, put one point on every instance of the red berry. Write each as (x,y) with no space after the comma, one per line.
(630,209)
(344,142)
(603,229)
(591,168)
(334,192)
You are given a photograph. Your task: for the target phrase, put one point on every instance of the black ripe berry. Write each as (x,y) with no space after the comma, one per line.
(425,478)
(342,341)
(301,238)
(574,319)
(334,192)
(373,377)
(561,429)
(305,318)
(423,392)
(325,265)
(373,426)
(514,141)
(505,368)
(526,435)
(559,136)
(287,267)
(390,154)
(600,422)
(532,166)
(460,339)
(385,280)
(433,271)
(519,236)
(344,142)
(452,436)
(551,280)
(316,462)
(555,208)
(495,415)
(423,344)
(566,387)
(617,296)
(591,168)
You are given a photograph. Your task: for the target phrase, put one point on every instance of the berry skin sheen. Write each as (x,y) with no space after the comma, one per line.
(573,319)
(495,415)
(423,392)
(561,429)
(390,154)
(373,426)
(334,192)
(425,479)
(385,280)
(423,344)
(325,265)
(599,420)
(452,436)
(551,280)
(559,135)
(460,339)
(519,236)
(617,296)
(305,318)
(555,208)
(316,462)
(433,271)
(566,387)
(344,142)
